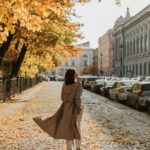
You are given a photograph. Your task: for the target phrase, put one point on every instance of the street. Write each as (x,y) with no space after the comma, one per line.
(106,124)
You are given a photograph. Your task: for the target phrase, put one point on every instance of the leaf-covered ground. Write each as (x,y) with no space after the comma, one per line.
(104,125)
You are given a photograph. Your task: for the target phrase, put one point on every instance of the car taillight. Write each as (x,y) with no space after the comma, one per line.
(121,90)
(141,94)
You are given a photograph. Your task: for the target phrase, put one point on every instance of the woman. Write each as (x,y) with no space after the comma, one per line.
(65,123)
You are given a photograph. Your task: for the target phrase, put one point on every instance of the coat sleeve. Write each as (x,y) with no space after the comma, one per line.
(78,95)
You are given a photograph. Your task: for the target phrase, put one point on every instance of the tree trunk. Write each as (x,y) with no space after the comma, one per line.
(5,46)
(16,66)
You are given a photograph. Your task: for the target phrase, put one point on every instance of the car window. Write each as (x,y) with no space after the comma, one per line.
(146,87)
(91,79)
(109,83)
(114,85)
(136,87)
(125,83)
(117,84)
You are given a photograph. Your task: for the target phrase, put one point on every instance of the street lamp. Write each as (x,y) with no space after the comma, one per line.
(121,60)
(101,71)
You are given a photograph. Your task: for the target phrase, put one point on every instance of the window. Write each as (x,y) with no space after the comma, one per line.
(125,83)
(133,47)
(149,68)
(85,63)
(136,69)
(146,43)
(127,49)
(114,85)
(133,70)
(136,87)
(144,68)
(130,68)
(126,70)
(84,56)
(85,60)
(137,45)
(141,44)
(145,87)
(140,69)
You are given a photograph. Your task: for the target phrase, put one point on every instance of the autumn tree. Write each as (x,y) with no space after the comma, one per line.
(37,35)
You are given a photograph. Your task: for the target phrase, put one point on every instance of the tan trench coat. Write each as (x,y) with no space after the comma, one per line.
(62,125)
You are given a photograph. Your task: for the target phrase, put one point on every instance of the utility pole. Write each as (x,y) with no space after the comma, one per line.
(101,71)
(121,60)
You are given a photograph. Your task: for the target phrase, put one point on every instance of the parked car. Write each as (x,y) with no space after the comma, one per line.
(140,78)
(88,82)
(119,90)
(147,78)
(60,78)
(148,106)
(45,78)
(97,85)
(52,78)
(139,95)
(105,89)
(125,78)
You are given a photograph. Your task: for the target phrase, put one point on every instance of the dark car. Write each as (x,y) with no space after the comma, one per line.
(52,78)
(148,106)
(139,95)
(88,82)
(97,84)
(106,87)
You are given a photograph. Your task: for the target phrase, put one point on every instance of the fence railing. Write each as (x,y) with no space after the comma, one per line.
(11,86)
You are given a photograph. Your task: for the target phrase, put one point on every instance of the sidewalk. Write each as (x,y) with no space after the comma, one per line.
(19,132)
(7,107)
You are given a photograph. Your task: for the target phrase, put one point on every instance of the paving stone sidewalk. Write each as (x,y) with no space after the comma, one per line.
(19,132)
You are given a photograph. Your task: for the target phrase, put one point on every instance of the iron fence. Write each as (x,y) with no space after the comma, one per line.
(9,87)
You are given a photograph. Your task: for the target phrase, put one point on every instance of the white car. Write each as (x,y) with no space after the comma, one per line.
(119,90)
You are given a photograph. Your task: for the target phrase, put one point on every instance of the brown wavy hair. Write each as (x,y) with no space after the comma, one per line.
(69,76)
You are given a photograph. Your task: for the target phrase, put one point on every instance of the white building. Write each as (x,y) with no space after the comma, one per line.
(79,62)
(132,44)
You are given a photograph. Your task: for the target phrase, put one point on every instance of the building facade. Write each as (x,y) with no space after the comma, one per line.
(79,62)
(105,53)
(95,59)
(132,44)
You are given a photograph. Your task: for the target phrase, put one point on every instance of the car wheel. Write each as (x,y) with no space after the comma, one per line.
(102,93)
(110,97)
(117,99)
(138,107)
(148,109)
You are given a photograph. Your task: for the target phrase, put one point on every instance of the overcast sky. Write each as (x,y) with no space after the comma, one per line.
(99,17)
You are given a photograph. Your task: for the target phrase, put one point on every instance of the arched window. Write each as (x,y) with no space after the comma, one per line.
(136,69)
(85,56)
(146,43)
(145,69)
(134,47)
(85,60)
(130,47)
(141,42)
(137,45)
